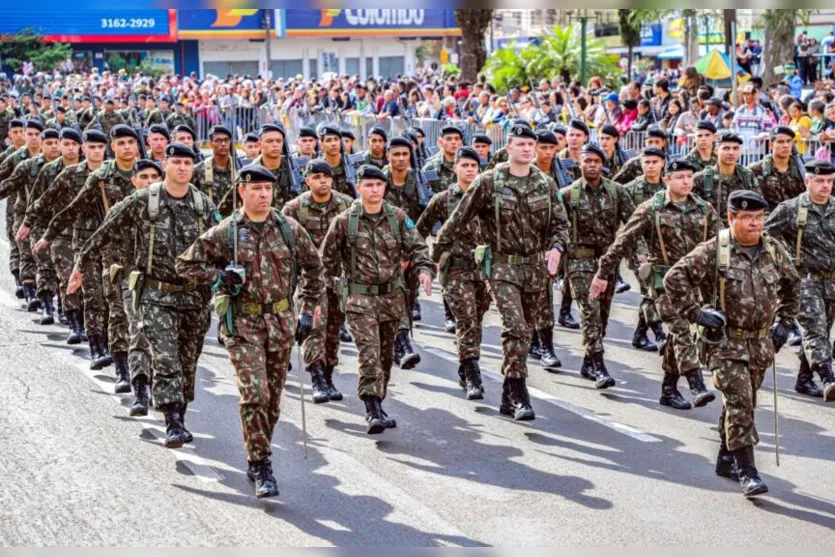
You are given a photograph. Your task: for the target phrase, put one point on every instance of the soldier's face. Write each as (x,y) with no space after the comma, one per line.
(371,191)
(33,138)
(705,139)
(747,226)
(251,150)
(728,153)
(320,184)
(17,136)
(307,146)
(450,144)
(377,146)
(651,167)
(607,142)
(145,178)
(124,148)
(521,150)
(399,158)
(656,142)
(819,187)
(179,170)
(482,149)
(545,153)
(330,145)
(51,148)
(349,144)
(679,184)
(466,171)
(272,144)
(576,138)
(257,197)
(592,166)
(221,143)
(94,152)
(184,137)
(157,143)
(69,149)
(782,146)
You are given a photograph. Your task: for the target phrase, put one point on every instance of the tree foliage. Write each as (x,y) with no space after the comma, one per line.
(28,46)
(630,33)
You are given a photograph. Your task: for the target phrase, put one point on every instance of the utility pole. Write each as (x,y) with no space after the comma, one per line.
(267,26)
(584,21)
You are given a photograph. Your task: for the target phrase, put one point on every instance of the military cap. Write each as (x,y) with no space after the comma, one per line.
(467,153)
(820,168)
(251,138)
(782,130)
(418,131)
(144,164)
(16,123)
(705,125)
(449,128)
(121,130)
(345,132)
(482,138)
(399,142)
(369,172)
(49,133)
(179,150)
(161,129)
(319,166)
(547,137)
(377,130)
(579,125)
(727,136)
(109,100)
(267,128)
(611,130)
(655,131)
(518,130)
(34,124)
(654,152)
(183,128)
(217,129)
(255,173)
(69,133)
(746,200)
(329,130)
(411,136)
(94,136)
(679,165)
(520,122)
(559,129)
(61,109)
(715,101)
(592,149)
(305,131)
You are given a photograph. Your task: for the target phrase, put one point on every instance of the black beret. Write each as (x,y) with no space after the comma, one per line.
(61,109)
(251,138)
(69,133)
(34,124)
(121,130)
(411,136)
(218,129)
(377,130)
(109,100)
(481,138)
(369,172)
(305,131)
(728,136)
(161,129)
(611,130)
(179,150)
(94,136)
(49,133)
(520,122)
(820,168)
(654,152)
(559,129)
(144,164)
(267,128)
(592,149)
(518,130)
(579,125)
(467,153)
(329,130)
(418,131)
(782,130)
(680,164)
(317,166)
(349,134)
(183,128)
(746,200)
(705,125)
(449,128)
(17,123)
(399,142)
(548,137)
(654,131)
(255,173)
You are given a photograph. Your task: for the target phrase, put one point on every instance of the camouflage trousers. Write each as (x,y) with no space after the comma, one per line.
(647,306)
(260,353)
(323,343)
(410,279)
(594,314)
(28,265)
(62,258)
(374,322)
(14,251)
(175,336)
(95,310)
(46,277)
(545,310)
(680,354)
(139,352)
(117,320)
(518,311)
(817,313)
(738,382)
(468,300)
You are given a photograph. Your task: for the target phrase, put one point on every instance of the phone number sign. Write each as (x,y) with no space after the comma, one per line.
(87,26)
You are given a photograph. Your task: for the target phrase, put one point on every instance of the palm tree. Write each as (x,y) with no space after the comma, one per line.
(509,67)
(630,33)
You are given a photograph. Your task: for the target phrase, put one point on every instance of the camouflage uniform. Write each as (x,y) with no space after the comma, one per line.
(340,181)
(574,172)
(777,186)
(463,288)
(180,119)
(264,323)
(742,179)
(531,222)
(694,157)
(376,302)
(157,116)
(613,165)
(108,120)
(758,291)
(213,181)
(86,117)
(631,170)
(11,158)
(594,224)
(323,343)
(282,187)
(6,118)
(369,159)
(47,278)
(498,157)
(174,313)
(446,175)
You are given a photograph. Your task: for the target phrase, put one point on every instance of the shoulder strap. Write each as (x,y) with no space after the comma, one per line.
(304,210)
(612,192)
(209,175)
(771,247)
(767,166)
(708,182)
(153,200)
(498,186)
(638,195)
(802,218)
(723,261)
(200,206)
(393,223)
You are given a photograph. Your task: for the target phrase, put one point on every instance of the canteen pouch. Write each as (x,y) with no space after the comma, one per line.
(644,272)
(115,269)
(484,260)
(223,310)
(136,282)
(443,269)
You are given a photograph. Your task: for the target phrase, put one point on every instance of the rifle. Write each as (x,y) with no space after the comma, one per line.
(423,179)
(558,169)
(296,178)
(348,164)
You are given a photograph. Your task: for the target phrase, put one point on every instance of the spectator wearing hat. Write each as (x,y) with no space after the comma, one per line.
(715,183)
(751,122)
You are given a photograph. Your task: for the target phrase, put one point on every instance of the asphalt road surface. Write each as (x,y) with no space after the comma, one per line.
(595,468)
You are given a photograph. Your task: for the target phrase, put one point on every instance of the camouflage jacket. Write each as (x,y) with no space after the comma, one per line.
(640,190)
(86,117)
(498,157)
(631,170)
(777,186)
(60,194)
(109,120)
(520,216)
(314,217)
(340,181)
(20,183)
(157,116)
(282,188)
(379,163)
(613,165)
(742,179)
(817,244)
(5,120)
(404,196)
(271,267)
(446,175)
(173,120)
(7,170)
(694,157)
(574,171)
(46,177)
(213,181)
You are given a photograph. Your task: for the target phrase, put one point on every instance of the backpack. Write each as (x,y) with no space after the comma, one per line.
(659,200)
(499,186)
(575,191)
(353,227)
(153,212)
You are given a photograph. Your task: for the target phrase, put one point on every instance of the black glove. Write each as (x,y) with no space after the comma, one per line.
(712,319)
(304,326)
(231,278)
(779,335)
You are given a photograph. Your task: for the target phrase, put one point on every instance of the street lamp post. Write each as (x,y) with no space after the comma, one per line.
(583,16)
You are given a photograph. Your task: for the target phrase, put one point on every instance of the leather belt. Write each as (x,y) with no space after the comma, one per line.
(743,334)
(517,260)
(254,309)
(169,288)
(375,289)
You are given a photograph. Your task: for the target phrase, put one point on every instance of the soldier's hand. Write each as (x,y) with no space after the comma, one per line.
(598,287)
(553,258)
(712,318)
(642,258)
(426,281)
(22,233)
(779,335)
(76,278)
(41,245)
(303,327)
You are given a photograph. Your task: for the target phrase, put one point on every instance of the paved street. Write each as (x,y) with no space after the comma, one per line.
(595,468)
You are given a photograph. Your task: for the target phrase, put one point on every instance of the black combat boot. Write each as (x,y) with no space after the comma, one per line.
(670,395)
(725,465)
(640,339)
(449,319)
(62,317)
(795,336)
(550,361)
(824,370)
(565,318)
(701,396)
(262,475)
(173,426)
(76,332)
(344,335)
(621,285)
(373,415)
(602,380)
(187,436)
(388,422)
(33,304)
(47,309)
(805,383)
(416,312)
(333,392)
(472,380)
(18,288)
(587,369)
(102,357)
(120,359)
(535,349)
(140,389)
(516,401)
(318,383)
(462,374)
(749,478)
(660,335)
(408,357)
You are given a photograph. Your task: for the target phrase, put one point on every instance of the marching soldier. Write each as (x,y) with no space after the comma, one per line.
(252,148)
(757,286)
(109,117)
(527,232)
(464,290)
(607,138)
(703,154)
(180,117)
(330,140)
(482,145)
(655,137)
(215,176)
(306,143)
(369,241)
(348,139)
(375,155)
(779,173)
(259,321)
(158,137)
(577,136)
(186,135)
(18,140)
(501,155)
(314,210)
(670,223)
(451,139)
(158,115)
(803,225)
